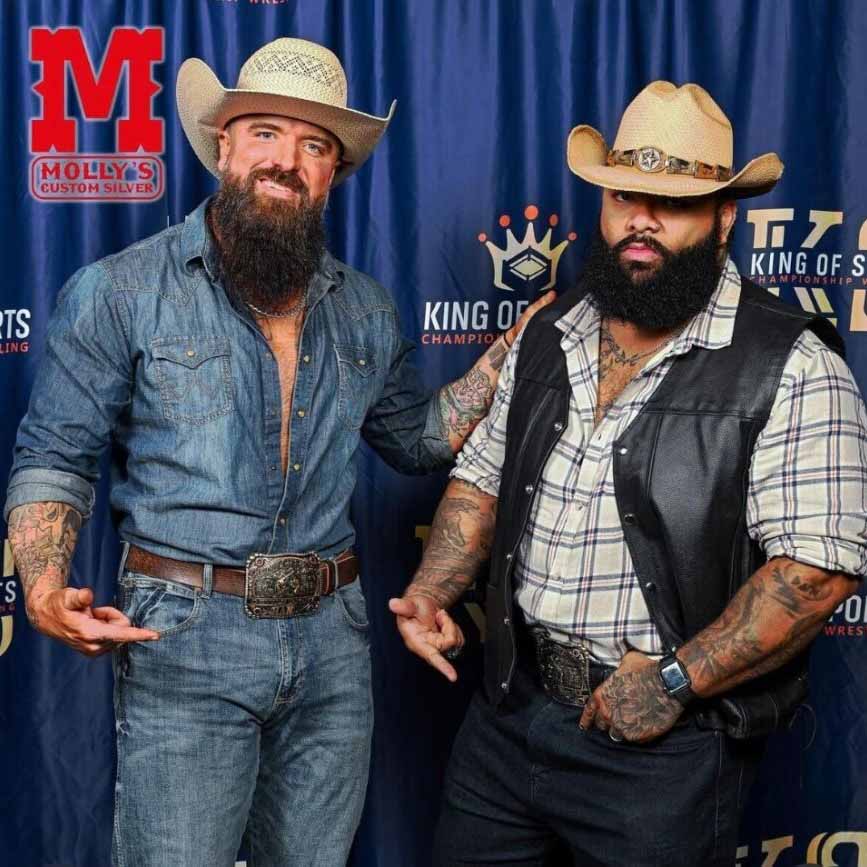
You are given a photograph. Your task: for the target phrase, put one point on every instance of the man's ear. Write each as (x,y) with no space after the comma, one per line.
(728,211)
(224,145)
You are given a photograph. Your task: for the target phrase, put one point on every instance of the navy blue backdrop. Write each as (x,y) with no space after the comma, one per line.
(453,213)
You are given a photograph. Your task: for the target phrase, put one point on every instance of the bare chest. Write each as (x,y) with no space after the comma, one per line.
(284,336)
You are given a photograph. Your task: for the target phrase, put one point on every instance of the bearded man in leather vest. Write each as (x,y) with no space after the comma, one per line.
(671,488)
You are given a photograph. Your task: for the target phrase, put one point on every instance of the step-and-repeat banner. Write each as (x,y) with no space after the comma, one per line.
(467,212)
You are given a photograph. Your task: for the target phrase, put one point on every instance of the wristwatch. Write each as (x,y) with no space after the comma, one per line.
(675,679)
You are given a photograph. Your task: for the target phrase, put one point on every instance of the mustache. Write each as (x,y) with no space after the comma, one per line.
(290,179)
(637,238)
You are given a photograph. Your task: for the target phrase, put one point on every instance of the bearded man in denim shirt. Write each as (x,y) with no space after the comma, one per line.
(233,365)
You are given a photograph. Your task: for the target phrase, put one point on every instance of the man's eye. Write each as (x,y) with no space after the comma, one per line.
(314,148)
(265,134)
(621,196)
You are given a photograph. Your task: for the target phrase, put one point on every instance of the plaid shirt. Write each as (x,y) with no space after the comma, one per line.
(807,496)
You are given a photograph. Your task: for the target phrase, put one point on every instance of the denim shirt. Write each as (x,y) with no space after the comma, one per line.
(146,353)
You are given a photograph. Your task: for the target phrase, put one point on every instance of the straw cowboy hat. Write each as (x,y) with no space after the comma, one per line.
(290,77)
(672,141)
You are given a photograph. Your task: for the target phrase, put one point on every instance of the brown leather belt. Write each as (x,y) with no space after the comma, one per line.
(335,573)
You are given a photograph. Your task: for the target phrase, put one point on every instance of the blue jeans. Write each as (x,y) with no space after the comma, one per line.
(230,728)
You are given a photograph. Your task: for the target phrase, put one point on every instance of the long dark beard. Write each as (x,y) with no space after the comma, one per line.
(663,298)
(268,249)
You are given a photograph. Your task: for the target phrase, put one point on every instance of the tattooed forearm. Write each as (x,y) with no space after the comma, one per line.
(460,542)
(771,619)
(42,537)
(463,403)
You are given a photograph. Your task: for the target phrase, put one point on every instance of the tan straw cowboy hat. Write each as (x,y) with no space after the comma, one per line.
(290,77)
(672,141)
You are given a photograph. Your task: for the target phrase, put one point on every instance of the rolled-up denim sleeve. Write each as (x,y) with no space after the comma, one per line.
(403,426)
(82,386)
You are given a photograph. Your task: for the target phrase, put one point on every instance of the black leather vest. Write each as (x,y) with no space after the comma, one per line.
(680,469)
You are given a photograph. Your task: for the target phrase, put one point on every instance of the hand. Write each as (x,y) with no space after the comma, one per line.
(428,631)
(512,334)
(631,704)
(66,614)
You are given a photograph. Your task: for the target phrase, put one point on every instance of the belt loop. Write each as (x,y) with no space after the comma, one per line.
(124,553)
(207,580)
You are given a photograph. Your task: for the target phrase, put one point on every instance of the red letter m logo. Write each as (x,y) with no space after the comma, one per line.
(135,49)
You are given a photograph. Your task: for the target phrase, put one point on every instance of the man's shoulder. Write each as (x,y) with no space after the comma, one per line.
(360,294)
(136,266)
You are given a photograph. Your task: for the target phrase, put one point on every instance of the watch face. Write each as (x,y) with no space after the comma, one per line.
(673,677)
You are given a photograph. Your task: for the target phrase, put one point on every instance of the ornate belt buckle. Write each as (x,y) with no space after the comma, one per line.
(282,585)
(565,670)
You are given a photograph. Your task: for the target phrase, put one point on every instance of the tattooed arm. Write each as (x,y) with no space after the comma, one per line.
(460,542)
(464,402)
(43,538)
(771,619)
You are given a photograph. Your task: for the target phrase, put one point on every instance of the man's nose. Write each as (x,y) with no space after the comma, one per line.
(642,217)
(286,157)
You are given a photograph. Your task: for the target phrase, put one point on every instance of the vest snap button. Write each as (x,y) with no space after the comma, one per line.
(528,489)
(622,450)
(504,686)
(558,425)
(629,518)
(506,621)
(650,586)
(508,556)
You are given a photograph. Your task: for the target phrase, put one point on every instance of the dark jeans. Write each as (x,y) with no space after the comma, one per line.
(525,787)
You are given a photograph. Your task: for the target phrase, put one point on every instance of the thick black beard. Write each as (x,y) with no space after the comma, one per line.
(659,299)
(267,249)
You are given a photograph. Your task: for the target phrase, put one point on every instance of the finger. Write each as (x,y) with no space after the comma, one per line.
(77,598)
(402,607)
(541,302)
(587,717)
(439,662)
(451,632)
(430,654)
(111,615)
(121,634)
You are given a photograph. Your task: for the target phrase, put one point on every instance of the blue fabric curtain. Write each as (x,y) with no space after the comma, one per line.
(487,92)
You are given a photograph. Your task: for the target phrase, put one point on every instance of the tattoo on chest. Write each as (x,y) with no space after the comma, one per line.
(617,368)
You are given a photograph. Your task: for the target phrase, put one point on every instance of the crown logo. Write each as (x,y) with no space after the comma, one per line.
(526,265)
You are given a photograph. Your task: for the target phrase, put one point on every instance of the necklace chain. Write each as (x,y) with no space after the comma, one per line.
(292,311)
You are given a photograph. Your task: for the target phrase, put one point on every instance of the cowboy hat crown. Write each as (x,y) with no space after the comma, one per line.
(290,77)
(672,141)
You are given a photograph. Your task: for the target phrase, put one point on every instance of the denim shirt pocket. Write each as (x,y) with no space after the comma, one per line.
(195,377)
(356,366)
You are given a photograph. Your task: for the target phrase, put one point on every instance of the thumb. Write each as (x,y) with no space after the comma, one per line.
(402,607)
(77,599)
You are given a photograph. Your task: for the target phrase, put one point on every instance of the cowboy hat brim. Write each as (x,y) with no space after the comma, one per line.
(205,107)
(586,153)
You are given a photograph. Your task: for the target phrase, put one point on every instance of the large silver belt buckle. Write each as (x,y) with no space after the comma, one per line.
(565,670)
(282,585)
